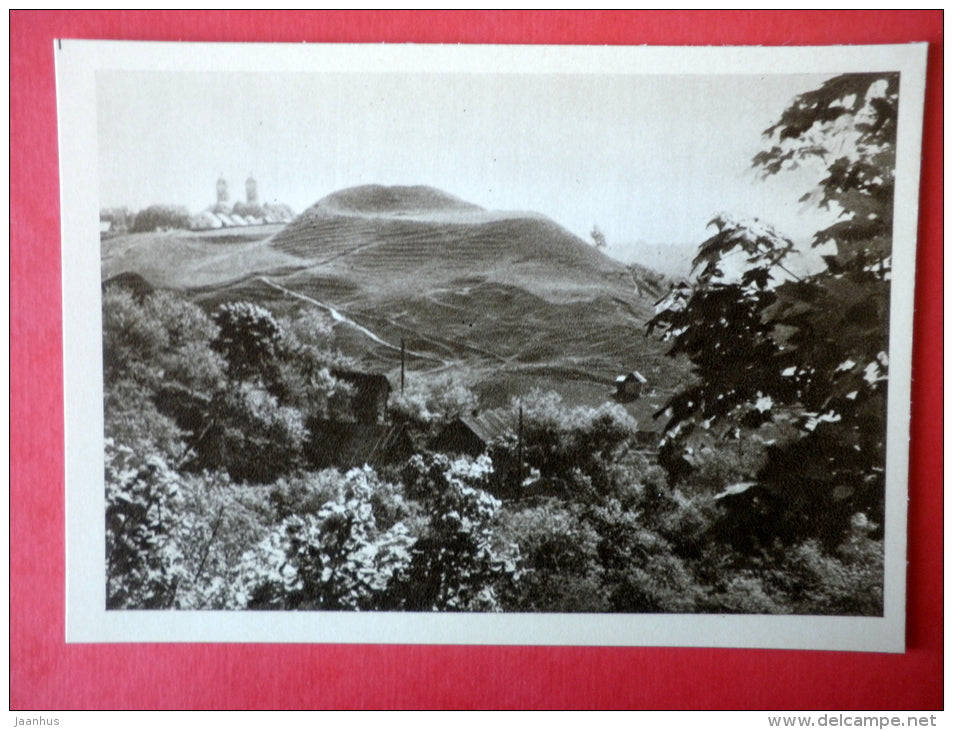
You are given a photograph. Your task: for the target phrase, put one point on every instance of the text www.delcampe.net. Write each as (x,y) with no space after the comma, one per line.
(843,720)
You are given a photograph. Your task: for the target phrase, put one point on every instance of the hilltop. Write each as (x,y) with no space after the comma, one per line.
(389,238)
(395,200)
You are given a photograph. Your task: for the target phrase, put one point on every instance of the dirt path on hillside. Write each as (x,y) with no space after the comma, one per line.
(442,342)
(342,319)
(511,364)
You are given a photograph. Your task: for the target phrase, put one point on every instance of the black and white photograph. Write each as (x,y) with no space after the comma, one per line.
(513,345)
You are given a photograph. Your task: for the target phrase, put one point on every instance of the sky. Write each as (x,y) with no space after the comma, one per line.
(645,158)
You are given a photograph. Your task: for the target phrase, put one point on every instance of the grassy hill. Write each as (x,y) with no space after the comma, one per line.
(421,234)
(507,301)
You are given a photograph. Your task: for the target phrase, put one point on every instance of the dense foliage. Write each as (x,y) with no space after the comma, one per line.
(211,503)
(426,402)
(766,498)
(343,556)
(808,351)
(161,217)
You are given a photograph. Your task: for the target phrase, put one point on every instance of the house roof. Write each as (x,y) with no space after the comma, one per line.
(472,433)
(206,219)
(643,411)
(489,425)
(362,381)
(355,444)
(634,375)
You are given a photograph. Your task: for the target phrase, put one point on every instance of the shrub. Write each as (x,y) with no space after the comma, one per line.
(338,558)
(717,466)
(583,453)
(431,401)
(458,563)
(143,561)
(559,569)
(303,493)
(744,591)
(251,436)
(642,573)
(216,522)
(847,583)
(685,521)
(133,420)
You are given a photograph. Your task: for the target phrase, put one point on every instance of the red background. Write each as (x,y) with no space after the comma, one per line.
(48,674)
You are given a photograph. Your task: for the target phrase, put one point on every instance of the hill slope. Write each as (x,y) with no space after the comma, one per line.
(393,238)
(507,300)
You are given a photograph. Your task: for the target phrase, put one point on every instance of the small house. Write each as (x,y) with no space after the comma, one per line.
(473,433)
(629,386)
(371,394)
(651,420)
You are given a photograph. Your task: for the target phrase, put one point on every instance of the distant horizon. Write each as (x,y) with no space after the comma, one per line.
(648,159)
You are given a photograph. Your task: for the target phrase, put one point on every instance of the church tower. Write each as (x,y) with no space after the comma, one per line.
(251,191)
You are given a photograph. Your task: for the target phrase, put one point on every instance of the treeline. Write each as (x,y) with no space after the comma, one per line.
(177,217)
(152,218)
(214,502)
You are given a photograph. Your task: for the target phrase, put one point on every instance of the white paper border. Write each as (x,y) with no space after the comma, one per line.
(86,617)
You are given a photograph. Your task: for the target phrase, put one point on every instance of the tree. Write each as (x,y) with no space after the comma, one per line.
(338,558)
(157,338)
(598,237)
(436,400)
(770,346)
(578,452)
(250,339)
(215,522)
(143,561)
(248,209)
(303,376)
(157,217)
(249,434)
(560,568)
(160,372)
(457,563)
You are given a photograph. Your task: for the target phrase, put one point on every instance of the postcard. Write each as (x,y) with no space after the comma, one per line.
(488,344)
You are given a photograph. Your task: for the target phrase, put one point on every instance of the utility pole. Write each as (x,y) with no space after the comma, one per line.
(519,450)
(402,357)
